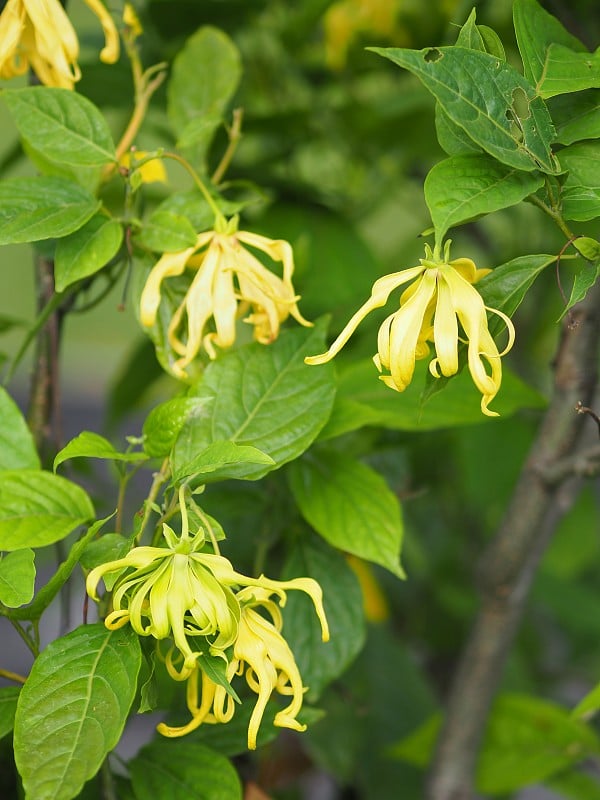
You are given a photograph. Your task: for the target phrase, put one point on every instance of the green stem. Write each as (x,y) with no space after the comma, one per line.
(12,676)
(235,134)
(553,214)
(31,645)
(160,477)
(197,180)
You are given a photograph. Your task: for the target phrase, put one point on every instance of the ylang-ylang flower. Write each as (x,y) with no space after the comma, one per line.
(39,34)
(228,281)
(262,656)
(440,307)
(196,599)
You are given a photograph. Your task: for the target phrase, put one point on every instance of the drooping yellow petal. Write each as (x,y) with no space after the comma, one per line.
(110,52)
(404,331)
(380,292)
(168,265)
(445,331)
(12,23)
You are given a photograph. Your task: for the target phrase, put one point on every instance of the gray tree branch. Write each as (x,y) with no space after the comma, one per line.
(544,492)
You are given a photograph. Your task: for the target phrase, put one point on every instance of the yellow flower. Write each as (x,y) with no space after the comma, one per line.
(39,34)
(262,654)
(151,171)
(347,19)
(228,281)
(132,21)
(173,591)
(442,292)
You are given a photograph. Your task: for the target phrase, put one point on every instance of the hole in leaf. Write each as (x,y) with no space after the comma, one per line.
(520,104)
(433,54)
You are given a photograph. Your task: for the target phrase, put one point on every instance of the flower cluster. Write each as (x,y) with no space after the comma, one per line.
(441,295)
(39,34)
(197,599)
(228,280)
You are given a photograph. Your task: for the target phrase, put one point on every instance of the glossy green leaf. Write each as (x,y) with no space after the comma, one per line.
(62,125)
(469,35)
(87,250)
(186,770)
(189,205)
(220,461)
(17,448)
(42,208)
(527,740)
(38,508)
(576,116)
(208,95)
(9,696)
(17,578)
(566,71)
(487,97)
(91,445)
(265,397)
(589,248)
(536,31)
(321,662)
(167,232)
(350,506)
(348,415)
(581,190)
(465,186)
(73,708)
(163,424)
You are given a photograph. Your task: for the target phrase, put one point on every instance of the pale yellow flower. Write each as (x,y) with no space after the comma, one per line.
(262,655)
(441,296)
(39,34)
(228,281)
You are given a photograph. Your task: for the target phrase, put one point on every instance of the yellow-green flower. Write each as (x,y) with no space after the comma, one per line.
(261,654)
(173,591)
(39,34)
(441,296)
(227,281)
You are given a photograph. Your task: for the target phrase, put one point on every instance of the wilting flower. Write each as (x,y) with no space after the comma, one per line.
(228,281)
(39,34)
(442,292)
(261,654)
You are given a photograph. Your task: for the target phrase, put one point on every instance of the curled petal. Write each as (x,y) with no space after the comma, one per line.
(110,52)
(168,265)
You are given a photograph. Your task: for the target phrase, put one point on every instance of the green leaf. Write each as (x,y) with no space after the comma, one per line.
(17,578)
(581,190)
(589,705)
(469,35)
(186,770)
(220,461)
(584,280)
(505,286)
(465,186)
(350,506)
(208,95)
(458,404)
(576,116)
(320,662)
(527,740)
(566,71)
(589,248)
(38,508)
(9,696)
(264,397)
(190,205)
(163,424)
(536,30)
(61,125)
(487,97)
(17,448)
(166,232)
(73,708)
(453,139)
(347,415)
(91,445)
(38,208)
(109,547)
(574,785)
(87,250)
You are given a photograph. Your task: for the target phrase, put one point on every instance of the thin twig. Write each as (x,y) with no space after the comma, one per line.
(508,567)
